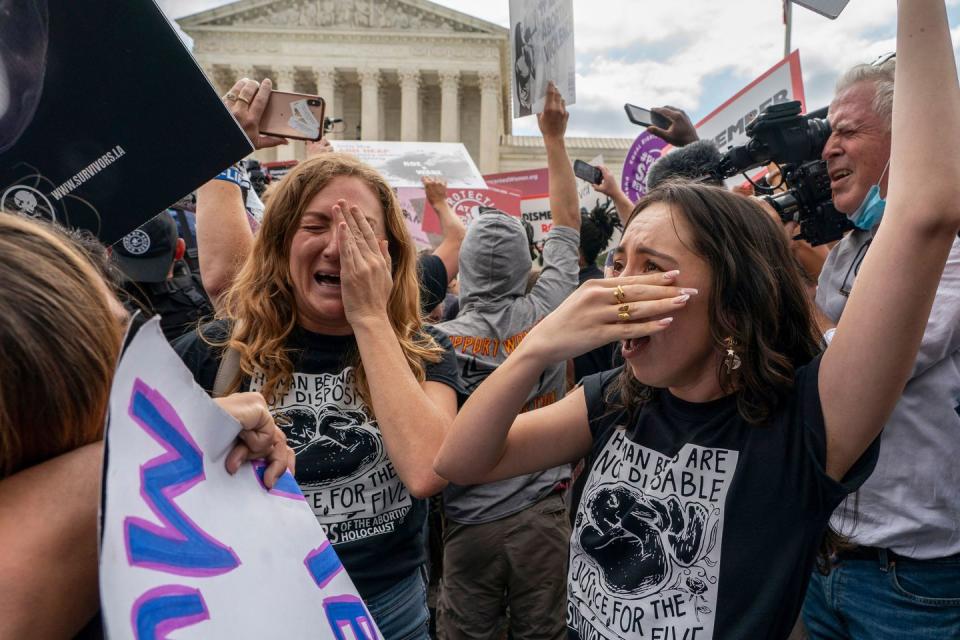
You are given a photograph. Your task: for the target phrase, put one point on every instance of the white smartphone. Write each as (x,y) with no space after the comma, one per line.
(828,8)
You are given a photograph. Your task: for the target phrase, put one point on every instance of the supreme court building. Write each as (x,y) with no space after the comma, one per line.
(391,69)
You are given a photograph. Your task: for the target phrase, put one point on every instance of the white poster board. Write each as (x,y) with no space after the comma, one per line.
(412,203)
(187,547)
(403,164)
(541,43)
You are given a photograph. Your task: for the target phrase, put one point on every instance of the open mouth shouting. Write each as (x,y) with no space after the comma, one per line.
(327,279)
(839,175)
(633,346)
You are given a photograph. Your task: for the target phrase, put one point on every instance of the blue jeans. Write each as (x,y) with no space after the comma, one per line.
(401,611)
(874,599)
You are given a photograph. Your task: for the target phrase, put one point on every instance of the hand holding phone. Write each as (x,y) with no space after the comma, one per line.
(246,102)
(645,117)
(587,172)
(293,115)
(667,123)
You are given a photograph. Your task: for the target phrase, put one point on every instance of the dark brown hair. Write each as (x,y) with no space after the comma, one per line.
(757,295)
(59,340)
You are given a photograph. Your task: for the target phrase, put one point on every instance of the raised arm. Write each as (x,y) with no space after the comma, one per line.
(611,188)
(681,131)
(413,417)
(489,441)
(564,199)
(224,238)
(451,228)
(864,370)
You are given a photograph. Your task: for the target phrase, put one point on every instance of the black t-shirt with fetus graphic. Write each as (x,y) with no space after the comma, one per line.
(693,524)
(376,526)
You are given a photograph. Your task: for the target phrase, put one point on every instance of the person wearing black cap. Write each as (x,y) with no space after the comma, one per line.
(146,256)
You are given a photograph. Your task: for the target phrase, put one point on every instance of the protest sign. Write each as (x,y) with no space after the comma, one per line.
(726,125)
(644,151)
(403,164)
(531,183)
(90,134)
(534,187)
(541,36)
(185,546)
(412,203)
(466,204)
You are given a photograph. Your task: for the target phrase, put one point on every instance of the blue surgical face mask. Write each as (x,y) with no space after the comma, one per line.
(870,211)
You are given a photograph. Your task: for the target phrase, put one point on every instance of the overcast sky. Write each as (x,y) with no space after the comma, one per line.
(693,54)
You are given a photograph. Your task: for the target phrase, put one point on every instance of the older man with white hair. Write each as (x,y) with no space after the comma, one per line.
(900,574)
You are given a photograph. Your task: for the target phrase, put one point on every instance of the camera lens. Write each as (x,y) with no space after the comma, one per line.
(313,103)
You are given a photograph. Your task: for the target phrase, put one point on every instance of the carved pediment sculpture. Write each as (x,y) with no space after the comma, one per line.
(392,15)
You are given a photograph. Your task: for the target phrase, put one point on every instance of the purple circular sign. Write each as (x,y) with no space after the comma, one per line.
(645,151)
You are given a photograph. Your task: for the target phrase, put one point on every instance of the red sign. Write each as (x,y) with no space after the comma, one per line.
(531,183)
(467,202)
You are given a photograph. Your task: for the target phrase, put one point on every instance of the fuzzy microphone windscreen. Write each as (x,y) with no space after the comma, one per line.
(692,161)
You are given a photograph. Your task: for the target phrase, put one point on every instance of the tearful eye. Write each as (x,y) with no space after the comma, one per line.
(650,265)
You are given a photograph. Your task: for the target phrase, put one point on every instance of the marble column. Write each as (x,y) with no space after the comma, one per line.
(369,104)
(284,79)
(245,72)
(327,89)
(449,106)
(489,122)
(409,105)
(211,72)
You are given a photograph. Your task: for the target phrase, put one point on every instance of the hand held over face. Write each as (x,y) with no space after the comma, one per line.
(365,277)
(605,311)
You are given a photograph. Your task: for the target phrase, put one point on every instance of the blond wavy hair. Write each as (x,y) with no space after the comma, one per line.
(60,341)
(260,303)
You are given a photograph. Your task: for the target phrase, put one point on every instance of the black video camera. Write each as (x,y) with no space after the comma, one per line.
(794,142)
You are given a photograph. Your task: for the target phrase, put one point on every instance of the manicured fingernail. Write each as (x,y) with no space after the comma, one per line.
(681,299)
(663,322)
(689,292)
(670,275)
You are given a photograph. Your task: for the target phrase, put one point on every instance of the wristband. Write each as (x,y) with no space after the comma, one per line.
(236,175)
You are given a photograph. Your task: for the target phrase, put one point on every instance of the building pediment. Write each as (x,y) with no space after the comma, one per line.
(352,15)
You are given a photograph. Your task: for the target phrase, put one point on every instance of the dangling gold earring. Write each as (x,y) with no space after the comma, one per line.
(731,361)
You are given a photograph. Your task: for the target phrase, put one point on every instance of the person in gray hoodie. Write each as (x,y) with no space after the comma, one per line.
(505,543)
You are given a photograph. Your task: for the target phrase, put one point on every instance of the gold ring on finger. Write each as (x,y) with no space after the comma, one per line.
(619,294)
(623,316)
(231,96)
(243,100)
